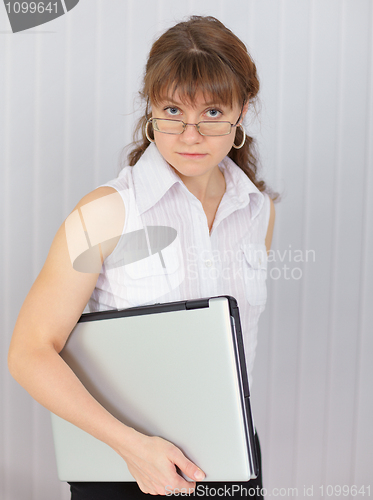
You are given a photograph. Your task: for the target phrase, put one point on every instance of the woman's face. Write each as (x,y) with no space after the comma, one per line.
(190,153)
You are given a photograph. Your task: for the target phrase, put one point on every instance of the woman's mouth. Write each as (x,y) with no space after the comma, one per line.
(193,156)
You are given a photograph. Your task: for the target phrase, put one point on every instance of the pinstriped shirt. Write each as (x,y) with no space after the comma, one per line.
(167,252)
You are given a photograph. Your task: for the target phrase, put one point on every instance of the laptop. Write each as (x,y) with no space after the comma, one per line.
(175,370)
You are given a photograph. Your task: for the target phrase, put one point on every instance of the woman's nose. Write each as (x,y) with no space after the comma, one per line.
(190,134)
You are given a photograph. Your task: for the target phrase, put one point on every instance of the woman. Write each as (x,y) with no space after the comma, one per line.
(194,169)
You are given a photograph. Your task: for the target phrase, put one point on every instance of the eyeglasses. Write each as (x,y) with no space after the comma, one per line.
(177,127)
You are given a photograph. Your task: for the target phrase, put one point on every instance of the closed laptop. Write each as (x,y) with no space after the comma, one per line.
(175,370)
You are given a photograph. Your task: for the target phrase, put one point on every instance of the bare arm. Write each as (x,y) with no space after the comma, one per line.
(48,315)
(271,223)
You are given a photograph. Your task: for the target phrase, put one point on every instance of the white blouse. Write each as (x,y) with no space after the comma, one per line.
(166,252)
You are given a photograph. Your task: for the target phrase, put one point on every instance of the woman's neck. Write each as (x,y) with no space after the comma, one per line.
(207,187)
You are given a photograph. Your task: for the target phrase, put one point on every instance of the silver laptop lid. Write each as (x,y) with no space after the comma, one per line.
(174,370)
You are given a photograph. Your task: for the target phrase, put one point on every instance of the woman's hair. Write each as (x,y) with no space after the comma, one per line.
(201,54)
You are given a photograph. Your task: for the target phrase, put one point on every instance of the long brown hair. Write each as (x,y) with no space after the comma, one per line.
(201,54)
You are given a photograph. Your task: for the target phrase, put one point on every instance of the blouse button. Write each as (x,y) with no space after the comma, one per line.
(208,263)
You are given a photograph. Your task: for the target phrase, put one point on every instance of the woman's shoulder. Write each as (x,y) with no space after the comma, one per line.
(97,193)
(103,205)
(94,226)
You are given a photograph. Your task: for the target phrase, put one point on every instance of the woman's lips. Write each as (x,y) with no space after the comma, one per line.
(192,156)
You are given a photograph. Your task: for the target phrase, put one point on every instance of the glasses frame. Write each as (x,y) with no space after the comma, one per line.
(150,120)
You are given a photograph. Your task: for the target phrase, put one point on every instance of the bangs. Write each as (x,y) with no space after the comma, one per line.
(189,73)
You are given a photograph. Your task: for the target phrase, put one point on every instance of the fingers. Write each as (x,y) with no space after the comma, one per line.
(188,467)
(165,480)
(153,463)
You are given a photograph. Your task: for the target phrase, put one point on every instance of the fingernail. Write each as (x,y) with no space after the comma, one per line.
(199,475)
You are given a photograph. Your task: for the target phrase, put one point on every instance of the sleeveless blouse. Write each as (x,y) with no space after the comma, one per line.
(166,252)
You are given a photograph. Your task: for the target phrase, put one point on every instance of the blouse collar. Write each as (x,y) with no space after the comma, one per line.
(153,177)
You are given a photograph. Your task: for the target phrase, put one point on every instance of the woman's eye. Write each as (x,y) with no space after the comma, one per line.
(172,111)
(213,113)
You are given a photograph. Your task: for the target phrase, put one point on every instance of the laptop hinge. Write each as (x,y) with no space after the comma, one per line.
(196,304)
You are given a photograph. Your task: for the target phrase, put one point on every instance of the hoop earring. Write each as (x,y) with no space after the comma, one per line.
(243,139)
(146,132)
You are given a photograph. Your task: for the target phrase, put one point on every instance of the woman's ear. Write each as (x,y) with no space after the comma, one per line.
(244,110)
(148,109)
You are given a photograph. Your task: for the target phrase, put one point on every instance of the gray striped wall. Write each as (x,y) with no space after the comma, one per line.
(67,107)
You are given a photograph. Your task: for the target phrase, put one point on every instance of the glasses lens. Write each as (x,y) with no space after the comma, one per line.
(214,128)
(168,126)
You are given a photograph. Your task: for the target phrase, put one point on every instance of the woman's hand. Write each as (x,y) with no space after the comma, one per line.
(152,461)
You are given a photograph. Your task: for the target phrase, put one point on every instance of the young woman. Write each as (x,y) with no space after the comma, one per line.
(194,170)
